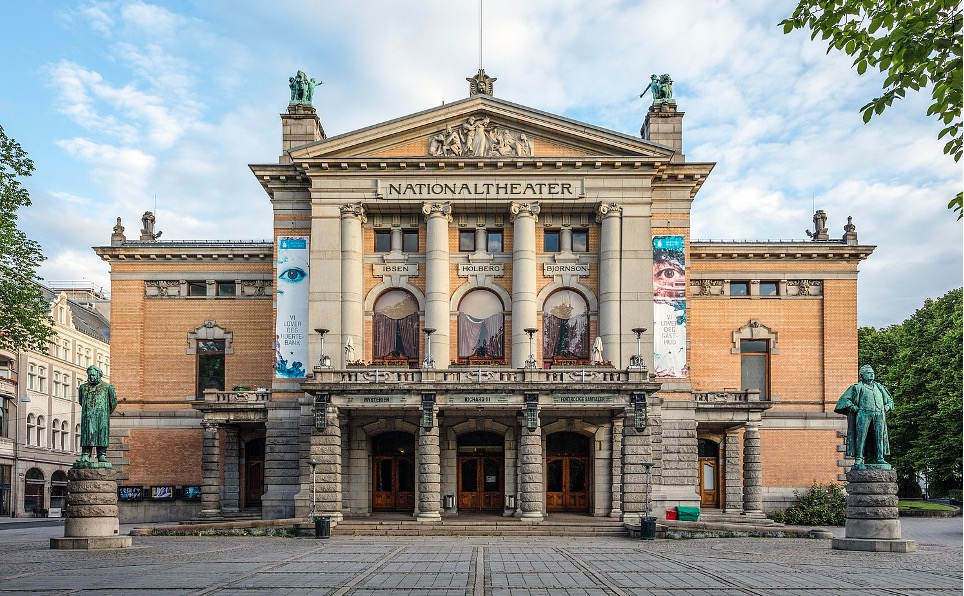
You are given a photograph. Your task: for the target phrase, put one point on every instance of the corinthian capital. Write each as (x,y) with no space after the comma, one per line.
(517,209)
(354,210)
(604,210)
(443,209)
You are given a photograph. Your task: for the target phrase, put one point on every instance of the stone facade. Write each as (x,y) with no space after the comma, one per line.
(481,276)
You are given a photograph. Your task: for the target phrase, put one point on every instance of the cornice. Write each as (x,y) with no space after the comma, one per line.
(190,251)
(802,250)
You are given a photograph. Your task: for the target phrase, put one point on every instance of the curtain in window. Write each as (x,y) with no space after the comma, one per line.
(395,337)
(481,337)
(566,337)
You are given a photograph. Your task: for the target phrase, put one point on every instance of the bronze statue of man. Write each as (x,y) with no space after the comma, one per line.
(866,405)
(97,402)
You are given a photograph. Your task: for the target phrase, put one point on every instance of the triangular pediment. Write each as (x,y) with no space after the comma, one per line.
(481,127)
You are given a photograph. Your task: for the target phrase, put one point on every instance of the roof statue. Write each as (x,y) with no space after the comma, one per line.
(147,232)
(819,226)
(481,83)
(661,88)
(302,89)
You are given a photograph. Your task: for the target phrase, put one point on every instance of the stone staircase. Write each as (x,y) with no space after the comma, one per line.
(584,527)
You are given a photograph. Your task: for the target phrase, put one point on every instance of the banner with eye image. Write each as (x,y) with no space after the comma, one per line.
(669,307)
(291,324)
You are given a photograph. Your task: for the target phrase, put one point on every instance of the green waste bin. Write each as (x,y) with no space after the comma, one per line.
(688,513)
(323,526)
(647,528)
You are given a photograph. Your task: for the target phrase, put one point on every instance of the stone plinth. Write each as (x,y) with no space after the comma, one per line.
(91,511)
(872,521)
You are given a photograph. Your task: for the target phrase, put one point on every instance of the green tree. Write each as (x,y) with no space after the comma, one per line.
(921,362)
(25,322)
(916,43)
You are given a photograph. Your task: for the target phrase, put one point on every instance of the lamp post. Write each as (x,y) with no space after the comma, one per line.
(428,362)
(324,360)
(647,525)
(314,494)
(637,360)
(531,361)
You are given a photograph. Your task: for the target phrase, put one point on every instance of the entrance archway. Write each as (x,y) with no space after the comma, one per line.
(709,472)
(568,477)
(393,472)
(253,484)
(33,493)
(480,472)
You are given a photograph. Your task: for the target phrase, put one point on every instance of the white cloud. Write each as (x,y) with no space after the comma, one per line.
(124,173)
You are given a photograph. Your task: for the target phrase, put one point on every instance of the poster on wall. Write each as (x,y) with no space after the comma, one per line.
(669,307)
(291,326)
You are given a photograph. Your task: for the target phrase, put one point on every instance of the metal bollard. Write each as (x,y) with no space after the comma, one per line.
(323,526)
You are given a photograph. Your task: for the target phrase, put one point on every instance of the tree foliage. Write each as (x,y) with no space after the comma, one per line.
(921,362)
(25,323)
(915,43)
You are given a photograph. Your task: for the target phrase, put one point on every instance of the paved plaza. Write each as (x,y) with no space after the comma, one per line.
(479,565)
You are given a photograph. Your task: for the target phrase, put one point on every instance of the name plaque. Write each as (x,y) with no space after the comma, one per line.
(382,269)
(433,189)
(371,400)
(583,399)
(577,269)
(478,399)
(493,269)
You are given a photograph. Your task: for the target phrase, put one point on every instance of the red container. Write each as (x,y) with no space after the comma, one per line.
(670,514)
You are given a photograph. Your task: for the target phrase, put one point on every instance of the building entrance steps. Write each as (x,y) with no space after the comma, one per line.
(481,525)
(721,517)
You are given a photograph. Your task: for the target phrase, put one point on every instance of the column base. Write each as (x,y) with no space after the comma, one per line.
(91,543)
(429,516)
(874,546)
(210,513)
(531,517)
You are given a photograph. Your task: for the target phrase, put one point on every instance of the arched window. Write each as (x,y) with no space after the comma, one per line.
(77,438)
(64,441)
(31,429)
(55,433)
(33,494)
(481,326)
(565,326)
(41,431)
(395,326)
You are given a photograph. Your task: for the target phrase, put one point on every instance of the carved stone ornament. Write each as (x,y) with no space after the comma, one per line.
(481,83)
(804,287)
(163,288)
(607,209)
(354,210)
(477,137)
(706,287)
(517,209)
(444,209)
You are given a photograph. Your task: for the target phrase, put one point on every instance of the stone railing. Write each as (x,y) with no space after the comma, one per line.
(468,375)
(236,397)
(8,386)
(727,397)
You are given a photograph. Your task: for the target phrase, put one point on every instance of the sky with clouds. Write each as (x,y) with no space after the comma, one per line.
(124,104)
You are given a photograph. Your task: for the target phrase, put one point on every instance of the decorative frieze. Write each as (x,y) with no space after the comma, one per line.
(791,288)
(479,137)
(804,287)
(178,289)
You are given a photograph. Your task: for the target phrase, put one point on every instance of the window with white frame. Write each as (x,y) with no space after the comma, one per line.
(31,429)
(77,438)
(42,379)
(87,359)
(55,433)
(64,438)
(32,377)
(41,431)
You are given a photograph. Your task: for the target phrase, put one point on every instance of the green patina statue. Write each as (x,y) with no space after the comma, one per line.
(661,88)
(302,89)
(97,402)
(866,405)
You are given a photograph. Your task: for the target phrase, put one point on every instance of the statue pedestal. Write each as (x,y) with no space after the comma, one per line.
(91,511)
(873,524)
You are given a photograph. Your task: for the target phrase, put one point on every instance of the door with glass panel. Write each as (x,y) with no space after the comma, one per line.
(567,473)
(480,472)
(393,472)
(709,473)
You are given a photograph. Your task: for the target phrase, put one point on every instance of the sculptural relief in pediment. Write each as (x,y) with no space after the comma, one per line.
(478,137)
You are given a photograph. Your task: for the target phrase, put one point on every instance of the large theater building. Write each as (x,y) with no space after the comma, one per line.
(478,309)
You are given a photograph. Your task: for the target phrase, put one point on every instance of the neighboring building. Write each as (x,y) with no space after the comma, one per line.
(479,307)
(40,425)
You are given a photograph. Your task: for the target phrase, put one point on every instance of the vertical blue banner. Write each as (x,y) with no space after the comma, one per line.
(669,307)
(291,324)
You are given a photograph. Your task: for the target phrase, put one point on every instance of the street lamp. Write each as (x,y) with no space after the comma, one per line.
(531,361)
(324,361)
(314,494)
(637,360)
(428,362)
(647,525)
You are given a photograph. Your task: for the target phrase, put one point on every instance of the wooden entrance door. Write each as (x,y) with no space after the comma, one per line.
(480,483)
(709,482)
(393,483)
(253,472)
(567,483)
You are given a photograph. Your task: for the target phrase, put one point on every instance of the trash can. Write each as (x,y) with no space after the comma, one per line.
(647,528)
(323,526)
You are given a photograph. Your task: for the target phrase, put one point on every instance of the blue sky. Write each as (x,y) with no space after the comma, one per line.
(121,102)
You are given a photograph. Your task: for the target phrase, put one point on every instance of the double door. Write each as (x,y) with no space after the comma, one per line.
(393,483)
(480,482)
(567,483)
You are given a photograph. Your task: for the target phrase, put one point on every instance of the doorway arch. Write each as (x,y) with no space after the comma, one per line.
(393,472)
(481,460)
(568,472)
(709,472)
(252,485)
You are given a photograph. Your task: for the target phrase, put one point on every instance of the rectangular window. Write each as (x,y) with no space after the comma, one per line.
(383,241)
(550,241)
(410,241)
(739,288)
(43,380)
(580,241)
(32,377)
(494,241)
(210,365)
(227,289)
(754,366)
(197,288)
(768,288)
(466,240)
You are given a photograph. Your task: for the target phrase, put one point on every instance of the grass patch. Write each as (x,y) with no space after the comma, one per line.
(922,506)
(272,532)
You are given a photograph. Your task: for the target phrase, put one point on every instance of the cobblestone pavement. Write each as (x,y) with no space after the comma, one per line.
(475,566)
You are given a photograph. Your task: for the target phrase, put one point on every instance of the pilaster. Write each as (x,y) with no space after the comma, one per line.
(616,509)
(610,243)
(733,495)
(211,471)
(752,471)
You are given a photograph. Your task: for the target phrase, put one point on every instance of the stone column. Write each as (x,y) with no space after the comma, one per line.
(325,451)
(91,510)
(532,493)
(211,470)
(429,473)
(609,217)
(872,519)
(617,460)
(733,496)
(232,474)
(752,471)
(437,297)
(352,280)
(636,450)
(524,217)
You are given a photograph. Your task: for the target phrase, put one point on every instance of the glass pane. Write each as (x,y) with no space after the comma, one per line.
(210,345)
(768,288)
(580,241)
(495,241)
(709,476)
(567,444)
(410,241)
(554,476)
(706,448)
(470,475)
(227,289)
(196,288)
(753,345)
(467,240)
(490,473)
(383,476)
(383,241)
(210,371)
(753,373)
(577,476)
(406,475)
(551,241)
(739,288)
(393,444)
